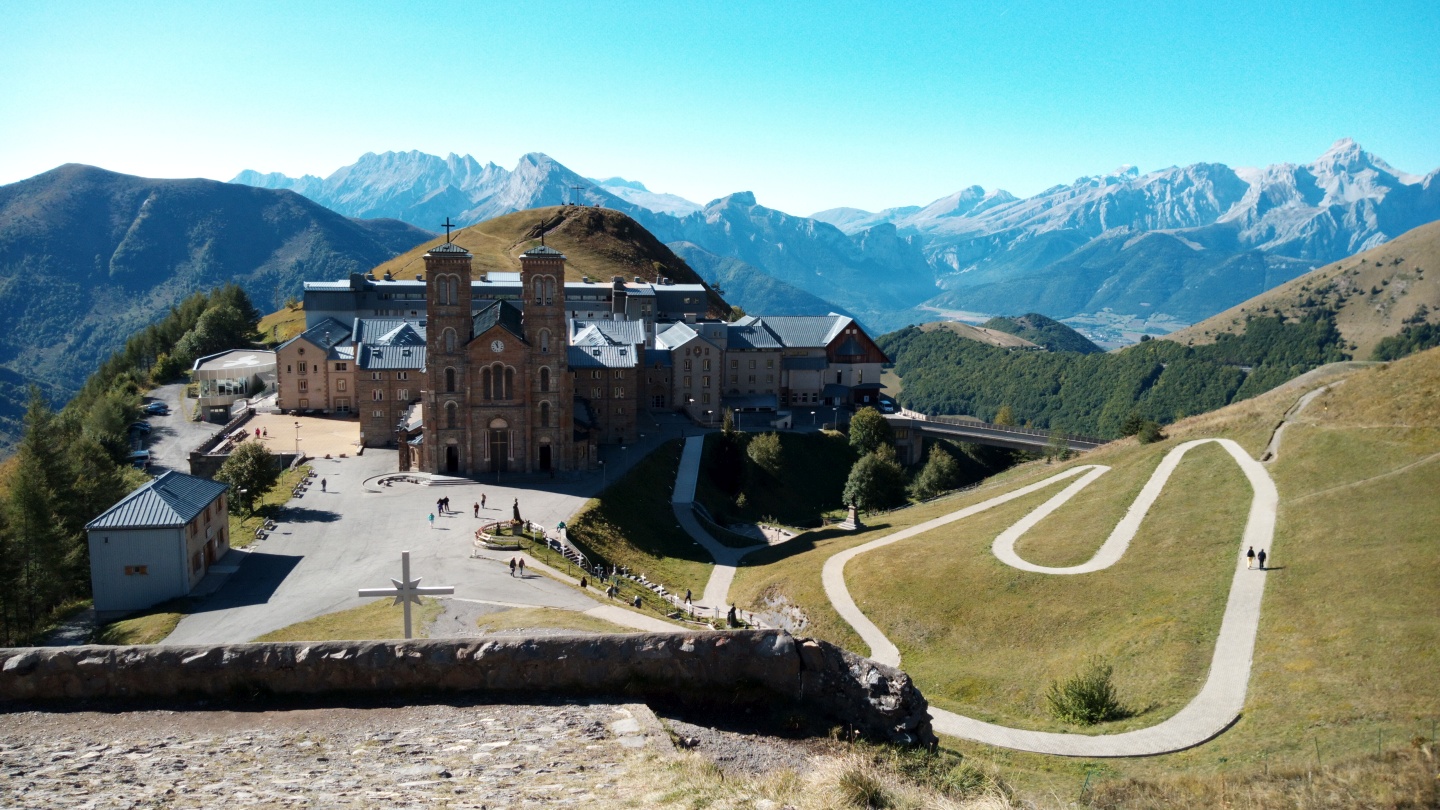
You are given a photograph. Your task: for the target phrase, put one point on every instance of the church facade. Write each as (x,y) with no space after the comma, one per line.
(498,395)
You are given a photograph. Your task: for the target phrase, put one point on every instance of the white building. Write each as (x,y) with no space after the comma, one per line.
(157,542)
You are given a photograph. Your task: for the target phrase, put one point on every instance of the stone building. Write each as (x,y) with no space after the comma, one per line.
(315,370)
(389,375)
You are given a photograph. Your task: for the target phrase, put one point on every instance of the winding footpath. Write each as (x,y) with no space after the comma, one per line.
(1223,696)
(682,500)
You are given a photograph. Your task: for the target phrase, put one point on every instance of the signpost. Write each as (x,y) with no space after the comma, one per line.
(407,591)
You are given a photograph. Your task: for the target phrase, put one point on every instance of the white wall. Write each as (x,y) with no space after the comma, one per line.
(160,550)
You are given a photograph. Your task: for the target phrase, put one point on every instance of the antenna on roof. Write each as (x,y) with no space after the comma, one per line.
(448,225)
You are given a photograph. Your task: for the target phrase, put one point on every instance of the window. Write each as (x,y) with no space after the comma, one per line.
(403,395)
(375,375)
(619,375)
(734,364)
(342,385)
(595,375)
(770,363)
(705,381)
(687,365)
(450,341)
(402,375)
(619,391)
(301,366)
(377,395)
(377,414)
(509,383)
(752,379)
(689,382)
(594,393)
(449,380)
(544,380)
(453,285)
(451,413)
(287,368)
(707,362)
(486,384)
(769,378)
(734,378)
(340,366)
(304,386)
(705,399)
(544,341)
(752,364)
(545,414)
(136,570)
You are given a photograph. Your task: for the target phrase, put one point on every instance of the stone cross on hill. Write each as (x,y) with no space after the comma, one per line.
(406,590)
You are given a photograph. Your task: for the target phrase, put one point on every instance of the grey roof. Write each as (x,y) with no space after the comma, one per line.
(450,248)
(804,363)
(607,333)
(326,334)
(503,313)
(602,356)
(388,332)
(758,402)
(251,360)
(660,358)
(173,499)
(750,336)
(679,333)
(377,358)
(543,250)
(806,331)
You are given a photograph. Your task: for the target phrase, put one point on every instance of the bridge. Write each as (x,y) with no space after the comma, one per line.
(910,426)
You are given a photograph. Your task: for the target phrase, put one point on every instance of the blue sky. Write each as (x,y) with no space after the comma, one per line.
(809,105)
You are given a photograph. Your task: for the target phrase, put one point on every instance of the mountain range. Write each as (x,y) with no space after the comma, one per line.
(1162,248)
(88,257)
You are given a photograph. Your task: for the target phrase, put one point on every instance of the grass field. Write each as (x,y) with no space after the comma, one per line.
(281,325)
(631,524)
(548,619)
(242,527)
(380,619)
(1347,660)
(150,627)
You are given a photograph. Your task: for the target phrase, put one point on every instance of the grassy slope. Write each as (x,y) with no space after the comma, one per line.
(632,525)
(380,619)
(548,619)
(1346,646)
(283,324)
(1363,318)
(597,242)
(822,461)
(990,337)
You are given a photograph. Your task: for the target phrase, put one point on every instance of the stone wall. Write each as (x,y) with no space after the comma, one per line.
(765,665)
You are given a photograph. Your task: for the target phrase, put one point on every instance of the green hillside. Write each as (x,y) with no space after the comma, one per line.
(1345,659)
(90,257)
(1043,331)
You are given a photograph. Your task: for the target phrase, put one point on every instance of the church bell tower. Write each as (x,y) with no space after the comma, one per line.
(542,281)
(447,332)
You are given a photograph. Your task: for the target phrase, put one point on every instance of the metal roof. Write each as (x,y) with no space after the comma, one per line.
(326,334)
(750,336)
(503,313)
(607,333)
(805,331)
(239,360)
(173,499)
(378,358)
(449,248)
(388,332)
(602,356)
(676,335)
(543,250)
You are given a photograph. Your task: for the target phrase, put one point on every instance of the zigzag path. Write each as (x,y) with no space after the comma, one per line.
(1223,696)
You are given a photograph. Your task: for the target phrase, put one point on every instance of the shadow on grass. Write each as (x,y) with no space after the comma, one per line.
(799,544)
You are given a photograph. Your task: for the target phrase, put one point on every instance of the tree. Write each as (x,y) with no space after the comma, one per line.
(727,424)
(764,450)
(1005,416)
(1150,433)
(869,430)
(250,471)
(941,473)
(221,327)
(876,481)
(1057,449)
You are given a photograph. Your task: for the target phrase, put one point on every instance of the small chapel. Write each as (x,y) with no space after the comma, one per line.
(498,396)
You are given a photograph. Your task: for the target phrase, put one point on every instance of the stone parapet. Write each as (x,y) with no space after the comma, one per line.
(764,665)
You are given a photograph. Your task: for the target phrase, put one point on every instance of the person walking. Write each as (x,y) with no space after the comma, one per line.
(482,500)
(322,484)
(522,567)
(477,509)
(512,566)
(432,520)
(687,596)
(1250,558)
(584,584)
(1262,559)
(440,505)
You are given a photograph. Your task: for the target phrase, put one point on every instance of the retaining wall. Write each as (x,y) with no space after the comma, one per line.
(765,665)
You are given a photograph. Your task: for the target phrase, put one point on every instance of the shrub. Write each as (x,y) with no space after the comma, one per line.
(861,786)
(1087,698)
(1150,433)
(764,450)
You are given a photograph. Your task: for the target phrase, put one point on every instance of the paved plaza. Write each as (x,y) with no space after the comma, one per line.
(330,544)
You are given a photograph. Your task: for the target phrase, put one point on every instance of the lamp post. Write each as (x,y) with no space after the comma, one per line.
(812,419)
(604,475)
(297,440)
(708,411)
(625,463)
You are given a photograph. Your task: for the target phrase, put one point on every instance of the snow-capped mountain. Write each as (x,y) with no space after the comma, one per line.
(635,191)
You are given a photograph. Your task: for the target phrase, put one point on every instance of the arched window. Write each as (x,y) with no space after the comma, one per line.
(544,379)
(549,290)
(377,395)
(509,382)
(449,380)
(440,292)
(485,383)
(451,413)
(454,284)
(544,341)
(544,414)
(450,341)
(539,285)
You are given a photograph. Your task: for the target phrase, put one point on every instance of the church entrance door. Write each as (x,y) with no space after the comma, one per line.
(544,458)
(499,450)
(452,459)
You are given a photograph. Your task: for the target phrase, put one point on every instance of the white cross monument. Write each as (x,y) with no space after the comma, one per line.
(406,590)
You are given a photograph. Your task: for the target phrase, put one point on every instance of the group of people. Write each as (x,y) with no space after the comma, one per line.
(517,563)
(1251,556)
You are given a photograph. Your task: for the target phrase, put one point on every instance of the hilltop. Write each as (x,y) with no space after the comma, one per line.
(1374,294)
(598,243)
(89,257)
(1046,332)
(987,335)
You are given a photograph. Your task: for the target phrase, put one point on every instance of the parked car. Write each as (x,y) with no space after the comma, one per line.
(141,427)
(157,409)
(140,459)
(887,407)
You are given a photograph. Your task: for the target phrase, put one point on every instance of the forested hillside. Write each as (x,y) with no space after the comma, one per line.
(1046,332)
(1096,394)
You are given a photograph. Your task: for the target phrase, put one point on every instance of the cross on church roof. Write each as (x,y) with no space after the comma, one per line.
(448,225)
